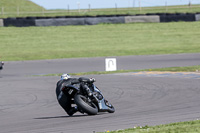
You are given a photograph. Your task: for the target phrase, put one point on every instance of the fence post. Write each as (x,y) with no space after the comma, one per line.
(189,5)
(166,6)
(68,8)
(89,7)
(140,6)
(116,7)
(2,10)
(17,10)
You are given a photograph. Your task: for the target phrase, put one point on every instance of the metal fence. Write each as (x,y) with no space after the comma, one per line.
(25,11)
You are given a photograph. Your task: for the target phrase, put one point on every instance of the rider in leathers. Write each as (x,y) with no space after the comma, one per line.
(63,98)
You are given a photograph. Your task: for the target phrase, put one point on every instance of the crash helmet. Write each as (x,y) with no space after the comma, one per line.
(65,76)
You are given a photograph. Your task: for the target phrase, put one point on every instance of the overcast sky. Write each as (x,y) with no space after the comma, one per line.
(84,4)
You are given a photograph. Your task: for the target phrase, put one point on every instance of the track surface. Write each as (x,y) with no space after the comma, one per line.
(21,68)
(28,104)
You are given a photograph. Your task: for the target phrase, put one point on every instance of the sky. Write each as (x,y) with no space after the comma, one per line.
(84,4)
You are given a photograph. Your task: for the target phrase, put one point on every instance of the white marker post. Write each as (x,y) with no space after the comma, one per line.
(111,64)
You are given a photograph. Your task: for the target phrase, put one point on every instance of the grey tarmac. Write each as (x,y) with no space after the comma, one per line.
(28,104)
(75,65)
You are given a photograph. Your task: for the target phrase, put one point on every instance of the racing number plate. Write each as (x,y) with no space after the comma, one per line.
(70,91)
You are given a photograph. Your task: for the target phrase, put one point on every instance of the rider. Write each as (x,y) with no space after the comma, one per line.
(63,99)
(1,64)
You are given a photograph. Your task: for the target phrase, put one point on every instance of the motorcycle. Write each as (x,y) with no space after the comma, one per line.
(88,97)
(1,65)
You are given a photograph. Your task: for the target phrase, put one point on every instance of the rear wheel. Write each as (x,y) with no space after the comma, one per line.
(85,105)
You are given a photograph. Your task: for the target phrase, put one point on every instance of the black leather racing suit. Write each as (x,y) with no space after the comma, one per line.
(64,99)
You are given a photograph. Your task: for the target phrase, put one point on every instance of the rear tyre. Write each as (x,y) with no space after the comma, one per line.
(86,106)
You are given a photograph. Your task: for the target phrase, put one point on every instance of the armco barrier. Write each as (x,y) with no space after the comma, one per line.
(91,20)
(148,19)
(59,21)
(98,20)
(19,22)
(177,17)
(197,17)
(1,23)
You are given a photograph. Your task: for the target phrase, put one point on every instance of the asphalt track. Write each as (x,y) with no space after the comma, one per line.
(28,103)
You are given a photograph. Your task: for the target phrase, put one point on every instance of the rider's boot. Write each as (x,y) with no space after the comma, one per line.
(72,110)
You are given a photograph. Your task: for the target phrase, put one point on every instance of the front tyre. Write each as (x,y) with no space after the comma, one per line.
(83,103)
(111,108)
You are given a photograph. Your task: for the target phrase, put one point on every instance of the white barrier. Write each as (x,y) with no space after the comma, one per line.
(1,23)
(147,19)
(197,17)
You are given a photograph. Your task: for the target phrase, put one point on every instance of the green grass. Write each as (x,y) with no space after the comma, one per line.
(168,69)
(178,69)
(92,73)
(23,5)
(181,127)
(36,43)
(19,8)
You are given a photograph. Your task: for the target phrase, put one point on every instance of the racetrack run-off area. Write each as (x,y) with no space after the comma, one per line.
(28,103)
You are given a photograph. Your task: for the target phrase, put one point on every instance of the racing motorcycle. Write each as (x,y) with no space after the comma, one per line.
(88,97)
(1,65)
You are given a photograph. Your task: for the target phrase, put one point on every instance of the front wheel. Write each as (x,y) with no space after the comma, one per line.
(85,105)
(111,108)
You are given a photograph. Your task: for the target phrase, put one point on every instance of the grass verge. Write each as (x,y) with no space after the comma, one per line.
(37,43)
(169,69)
(179,69)
(180,127)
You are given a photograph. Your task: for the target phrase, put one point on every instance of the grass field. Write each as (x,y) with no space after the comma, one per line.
(19,8)
(24,5)
(181,127)
(36,43)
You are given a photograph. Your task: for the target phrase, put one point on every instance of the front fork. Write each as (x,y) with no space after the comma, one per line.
(87,89)
(101,103)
